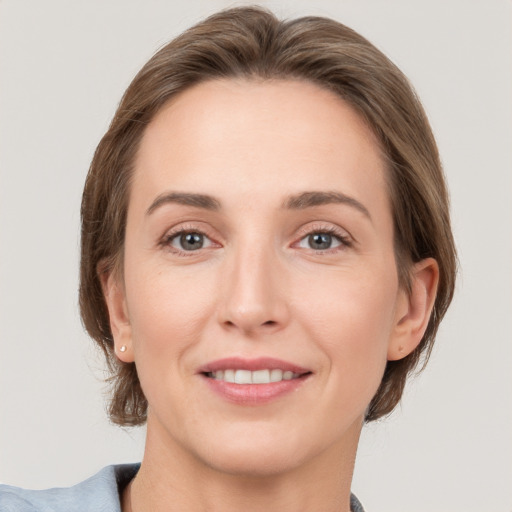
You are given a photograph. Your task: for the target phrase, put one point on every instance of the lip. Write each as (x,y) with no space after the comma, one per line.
(253,394)
(260,363)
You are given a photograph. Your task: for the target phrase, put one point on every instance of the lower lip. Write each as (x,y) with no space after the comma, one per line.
(254,394)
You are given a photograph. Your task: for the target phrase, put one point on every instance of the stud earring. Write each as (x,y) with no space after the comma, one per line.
(123,348)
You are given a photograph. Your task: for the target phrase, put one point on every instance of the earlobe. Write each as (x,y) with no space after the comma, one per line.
(414,309)
(115,298)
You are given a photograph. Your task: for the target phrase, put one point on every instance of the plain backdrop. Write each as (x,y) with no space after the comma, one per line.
(64,65)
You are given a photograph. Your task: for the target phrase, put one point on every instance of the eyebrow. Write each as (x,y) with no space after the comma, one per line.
(311,199)
(296,202)
(185,198)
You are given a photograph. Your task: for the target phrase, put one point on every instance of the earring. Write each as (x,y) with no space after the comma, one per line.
(123,348)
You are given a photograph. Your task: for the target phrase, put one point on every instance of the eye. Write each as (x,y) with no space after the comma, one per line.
(321,241)
(189,241)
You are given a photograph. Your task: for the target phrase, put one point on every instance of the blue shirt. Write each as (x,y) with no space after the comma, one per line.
(100,493)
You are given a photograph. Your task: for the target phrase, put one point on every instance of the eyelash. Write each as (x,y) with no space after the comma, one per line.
(341,236)
(344,240)
(169,237)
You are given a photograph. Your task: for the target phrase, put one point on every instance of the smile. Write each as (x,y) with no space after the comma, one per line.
(253,377)
(253,382)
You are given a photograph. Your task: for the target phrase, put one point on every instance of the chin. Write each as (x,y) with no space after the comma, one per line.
(257,452)
(254,463)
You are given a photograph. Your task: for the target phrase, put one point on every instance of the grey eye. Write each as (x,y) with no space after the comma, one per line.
(189,241)
(320,241)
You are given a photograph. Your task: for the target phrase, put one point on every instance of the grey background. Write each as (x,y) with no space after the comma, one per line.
(64,65)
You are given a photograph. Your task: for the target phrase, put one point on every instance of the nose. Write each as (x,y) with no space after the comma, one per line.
(254,300)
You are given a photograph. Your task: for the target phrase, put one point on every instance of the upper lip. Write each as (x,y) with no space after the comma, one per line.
(260,363)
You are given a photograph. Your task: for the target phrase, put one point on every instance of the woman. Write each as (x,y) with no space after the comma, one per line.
(266,256)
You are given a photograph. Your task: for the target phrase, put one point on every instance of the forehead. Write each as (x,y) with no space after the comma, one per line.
(268,138)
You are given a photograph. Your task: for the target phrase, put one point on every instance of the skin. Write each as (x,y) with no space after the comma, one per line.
(257,288)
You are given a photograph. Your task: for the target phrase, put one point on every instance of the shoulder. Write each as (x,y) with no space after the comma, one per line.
(100,493)
(355,504)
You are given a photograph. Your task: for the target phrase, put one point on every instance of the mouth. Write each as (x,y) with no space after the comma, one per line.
(265,376)
(253,381)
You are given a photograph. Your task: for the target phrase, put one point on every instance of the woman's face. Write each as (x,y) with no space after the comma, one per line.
(259,248)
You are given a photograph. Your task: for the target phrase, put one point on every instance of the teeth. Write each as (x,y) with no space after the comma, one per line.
(260,377)
(276,375)
(243,377)
(229,375)
(256,377)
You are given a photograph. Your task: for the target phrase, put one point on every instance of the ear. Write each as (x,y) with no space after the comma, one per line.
(115,297)
(414,309)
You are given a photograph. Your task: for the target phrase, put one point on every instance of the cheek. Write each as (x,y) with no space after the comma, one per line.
(168,313)
(168,310)
(351,316)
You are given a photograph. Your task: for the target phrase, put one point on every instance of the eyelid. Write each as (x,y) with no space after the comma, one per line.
(337,242)
(204,229)
(345,240)
(188,227)
(176,238)
(324,227)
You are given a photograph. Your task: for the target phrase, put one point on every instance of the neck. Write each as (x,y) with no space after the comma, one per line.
(171,479)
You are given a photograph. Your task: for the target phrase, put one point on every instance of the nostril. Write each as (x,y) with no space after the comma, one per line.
(267,326)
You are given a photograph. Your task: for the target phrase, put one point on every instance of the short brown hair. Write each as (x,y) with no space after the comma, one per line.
(251,42)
